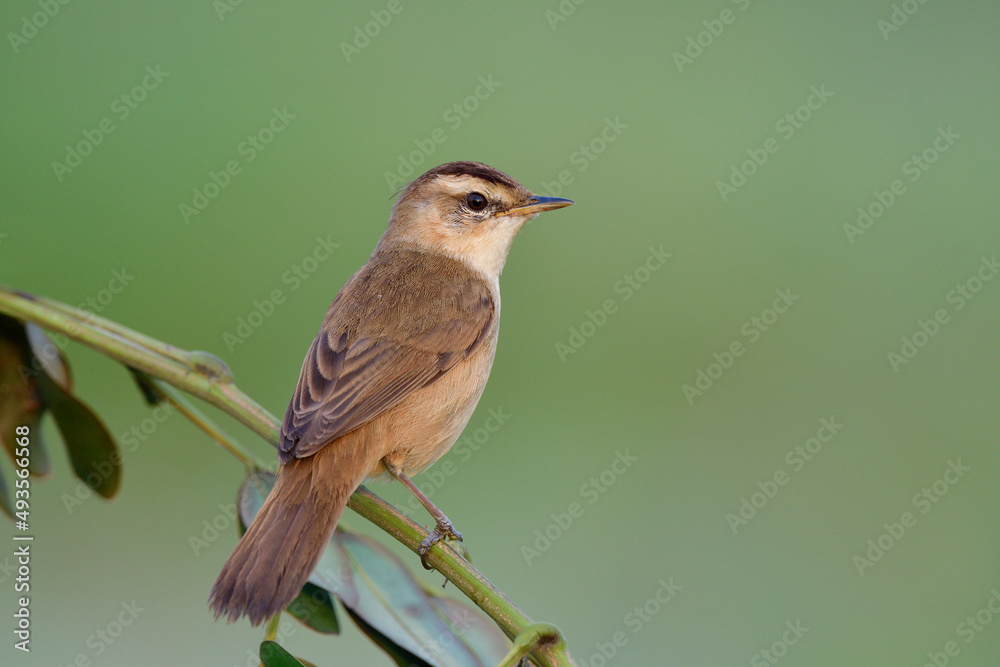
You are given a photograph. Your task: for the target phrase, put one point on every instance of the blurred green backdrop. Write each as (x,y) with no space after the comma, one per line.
(803,111)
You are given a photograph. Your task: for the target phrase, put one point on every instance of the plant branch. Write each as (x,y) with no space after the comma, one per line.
(202,421)
(456,569)
(207,377)
(198,373)
(532,639)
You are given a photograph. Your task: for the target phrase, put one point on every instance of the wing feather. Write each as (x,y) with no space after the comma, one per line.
(383,338)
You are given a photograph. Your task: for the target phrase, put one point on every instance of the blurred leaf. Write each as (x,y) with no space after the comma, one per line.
(333,572)
(400,656)
(94,455)
(272,655)
(393,601)
(251,496)
(149,392)
(384,598)
(473,628)
(21,404)
(49,358)
(34,377)
(314,607)
(6,504)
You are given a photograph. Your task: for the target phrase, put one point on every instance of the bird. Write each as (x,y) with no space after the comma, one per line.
(391,379)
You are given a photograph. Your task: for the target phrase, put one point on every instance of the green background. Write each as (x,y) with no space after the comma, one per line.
(655,185)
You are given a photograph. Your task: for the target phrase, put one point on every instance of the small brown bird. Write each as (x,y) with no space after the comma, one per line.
(391,380)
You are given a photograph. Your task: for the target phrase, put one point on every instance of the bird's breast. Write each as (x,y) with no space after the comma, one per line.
(425,425)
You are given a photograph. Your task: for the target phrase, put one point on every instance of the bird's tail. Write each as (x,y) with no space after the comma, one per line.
(279,551)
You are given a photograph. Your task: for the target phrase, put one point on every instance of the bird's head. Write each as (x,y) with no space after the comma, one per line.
(466,210)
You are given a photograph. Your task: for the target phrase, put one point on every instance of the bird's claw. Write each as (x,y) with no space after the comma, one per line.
(442,530)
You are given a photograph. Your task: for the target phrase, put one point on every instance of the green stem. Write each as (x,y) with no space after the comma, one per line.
(99,322)
(207,377)
(197,373)
(202,421)
(271,629)
(530,640)
(456,569)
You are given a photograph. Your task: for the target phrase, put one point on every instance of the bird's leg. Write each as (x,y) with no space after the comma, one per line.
(443,527)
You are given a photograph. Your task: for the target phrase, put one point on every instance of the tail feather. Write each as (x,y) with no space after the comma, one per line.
(281,547)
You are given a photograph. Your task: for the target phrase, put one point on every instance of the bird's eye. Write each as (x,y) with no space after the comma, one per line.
(476,201)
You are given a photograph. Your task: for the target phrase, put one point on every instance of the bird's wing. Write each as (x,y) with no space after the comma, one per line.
(393,329)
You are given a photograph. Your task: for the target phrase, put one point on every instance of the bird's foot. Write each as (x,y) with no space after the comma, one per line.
(442,530)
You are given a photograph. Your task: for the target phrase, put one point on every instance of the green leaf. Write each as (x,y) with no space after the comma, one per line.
(313,606)
(473,628)
(94,455)
(414,626)
(272,655)
(251,495)
(6,504)
(399,655)
(37,378)
(391,599)
(149,392)
(21,404)
(48,357)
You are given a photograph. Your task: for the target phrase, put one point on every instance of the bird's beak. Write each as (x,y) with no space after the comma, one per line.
(538,204)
